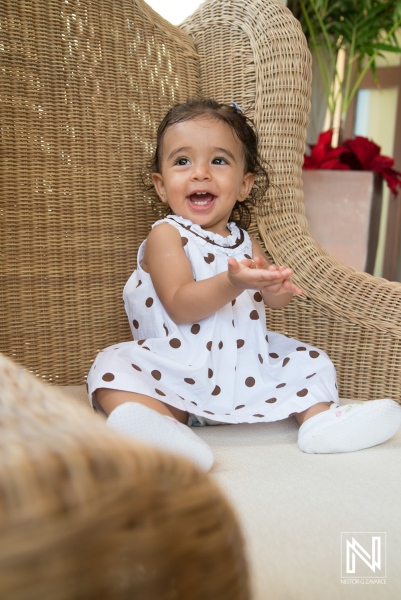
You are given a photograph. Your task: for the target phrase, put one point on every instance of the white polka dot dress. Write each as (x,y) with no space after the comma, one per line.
(226,367)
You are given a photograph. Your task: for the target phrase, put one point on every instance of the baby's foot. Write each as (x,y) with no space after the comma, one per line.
(350,427)
(146,425)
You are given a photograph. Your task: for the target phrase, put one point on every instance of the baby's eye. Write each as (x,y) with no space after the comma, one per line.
(182,161)
(219,161)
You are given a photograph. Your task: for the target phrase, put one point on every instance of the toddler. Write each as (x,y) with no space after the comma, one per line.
(201,352)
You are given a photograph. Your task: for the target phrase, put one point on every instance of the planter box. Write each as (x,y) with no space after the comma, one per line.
(343,210)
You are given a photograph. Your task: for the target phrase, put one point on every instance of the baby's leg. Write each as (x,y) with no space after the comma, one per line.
(110,399)
(313,410)
(151,421)
(329,428)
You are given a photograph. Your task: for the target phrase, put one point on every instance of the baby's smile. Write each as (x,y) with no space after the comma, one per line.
(201,199)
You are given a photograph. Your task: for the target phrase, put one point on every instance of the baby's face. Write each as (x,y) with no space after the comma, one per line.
(202,172)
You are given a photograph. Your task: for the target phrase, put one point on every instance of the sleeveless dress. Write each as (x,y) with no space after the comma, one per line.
(226,367)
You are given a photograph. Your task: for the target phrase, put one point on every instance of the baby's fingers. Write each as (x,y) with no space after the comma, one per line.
(279,273)
(292,287)
(233,266)
(248,262)
(260,262)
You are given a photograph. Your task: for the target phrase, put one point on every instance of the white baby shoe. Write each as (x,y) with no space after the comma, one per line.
(350,427)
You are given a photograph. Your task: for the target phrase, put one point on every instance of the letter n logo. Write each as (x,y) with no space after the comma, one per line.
(363,554)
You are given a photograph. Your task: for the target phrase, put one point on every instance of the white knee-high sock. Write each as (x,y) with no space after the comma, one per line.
(148,426)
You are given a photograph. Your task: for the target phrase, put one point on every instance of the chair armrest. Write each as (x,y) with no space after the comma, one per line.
(88,513)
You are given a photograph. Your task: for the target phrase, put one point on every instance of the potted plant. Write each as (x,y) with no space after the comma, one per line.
(343,210)
(347,37)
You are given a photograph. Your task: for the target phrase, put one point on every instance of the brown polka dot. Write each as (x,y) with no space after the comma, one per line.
(140,342)
(233,323)
(271,400)
(159,392)
(258,415)
(247,256)
(254,315)
(156,375)
(165,328)
(309,376)
(240,343)
(189,380)
(239,406)
(273,355)
(216,391)
(301,349)
(149,302)
(233,301)
(209,345)
(209,258)
(280,385)
(135,323)
(249,381)
(184,241)
(260,357)
(136,367)
(192,402)
(267,338)
(314,354)
(258,297)
(209,412)
(145,348)
(139,283)
(303,393)
(220,345)
(108,377)
(175,343)
(210,373)
(286,361)
(195,328)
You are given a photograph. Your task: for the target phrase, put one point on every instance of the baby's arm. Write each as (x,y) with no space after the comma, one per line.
(184,299)
(187,300)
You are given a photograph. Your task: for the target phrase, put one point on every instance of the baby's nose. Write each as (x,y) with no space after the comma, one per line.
(201,171)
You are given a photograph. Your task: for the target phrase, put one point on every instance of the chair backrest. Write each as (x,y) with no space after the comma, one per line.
(88,514)
(83,87)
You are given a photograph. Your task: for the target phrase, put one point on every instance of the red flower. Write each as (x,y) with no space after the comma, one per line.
(362,154)
(323,156)
(357,154)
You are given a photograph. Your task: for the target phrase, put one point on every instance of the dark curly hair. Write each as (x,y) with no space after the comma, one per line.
(245,130)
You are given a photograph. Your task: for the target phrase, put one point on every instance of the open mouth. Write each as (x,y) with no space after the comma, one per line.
(201,199)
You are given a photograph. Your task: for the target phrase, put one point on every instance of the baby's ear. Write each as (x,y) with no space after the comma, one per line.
(159,186)
(246,186)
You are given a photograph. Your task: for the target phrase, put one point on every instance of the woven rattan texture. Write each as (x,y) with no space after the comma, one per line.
(254,52)
(84,84)
(86,514)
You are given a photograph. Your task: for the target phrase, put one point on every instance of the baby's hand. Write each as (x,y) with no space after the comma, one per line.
(258,274)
